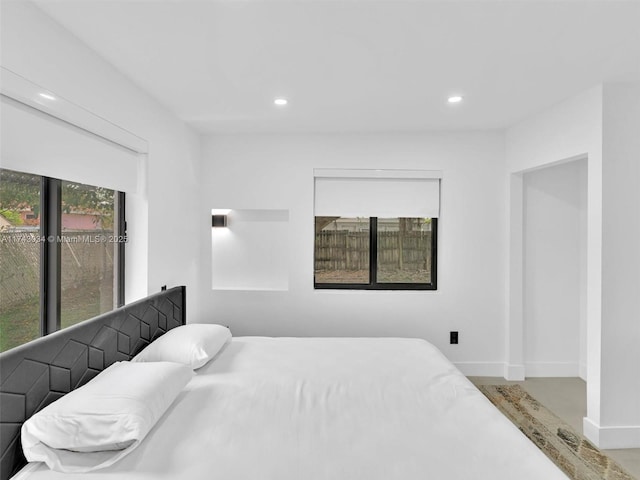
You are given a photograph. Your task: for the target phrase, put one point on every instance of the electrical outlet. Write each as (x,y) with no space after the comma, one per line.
(453,338)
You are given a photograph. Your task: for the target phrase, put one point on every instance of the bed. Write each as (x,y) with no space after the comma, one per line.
(327,408)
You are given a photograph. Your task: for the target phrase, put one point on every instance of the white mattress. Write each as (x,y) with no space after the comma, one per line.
(331,409)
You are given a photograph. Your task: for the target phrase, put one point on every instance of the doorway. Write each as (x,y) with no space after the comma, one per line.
(555,270)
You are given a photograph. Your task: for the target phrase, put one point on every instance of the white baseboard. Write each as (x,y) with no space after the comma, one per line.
(514,373)
(582,371)
(481,369)
(611,437)
(552,369)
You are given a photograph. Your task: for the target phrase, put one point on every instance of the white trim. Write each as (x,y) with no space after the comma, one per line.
(375,173)
(551,369)
(480,369)
(582,371)
(515,308)
(514,373)
(555,163)
(611,437)
(24,91)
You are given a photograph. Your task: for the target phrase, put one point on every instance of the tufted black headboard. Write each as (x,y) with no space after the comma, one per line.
(35,374)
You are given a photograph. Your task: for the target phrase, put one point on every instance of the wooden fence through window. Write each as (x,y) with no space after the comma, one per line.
(345,250)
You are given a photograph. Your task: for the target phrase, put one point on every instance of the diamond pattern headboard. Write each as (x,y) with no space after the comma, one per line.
(39,372)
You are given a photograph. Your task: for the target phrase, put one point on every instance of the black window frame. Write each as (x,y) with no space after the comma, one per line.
(51,252)
(373,266)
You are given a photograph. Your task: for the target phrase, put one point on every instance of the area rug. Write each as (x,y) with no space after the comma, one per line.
(573,453)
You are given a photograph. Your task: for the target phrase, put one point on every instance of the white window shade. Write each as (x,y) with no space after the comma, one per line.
(35,142)
(391,196)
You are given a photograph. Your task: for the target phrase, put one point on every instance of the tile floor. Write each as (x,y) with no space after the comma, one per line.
(567,398)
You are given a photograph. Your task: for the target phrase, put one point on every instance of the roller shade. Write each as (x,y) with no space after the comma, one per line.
(376,193)
(35,142)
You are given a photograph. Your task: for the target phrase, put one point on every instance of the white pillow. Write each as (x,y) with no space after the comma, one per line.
(193,344)
(97,424)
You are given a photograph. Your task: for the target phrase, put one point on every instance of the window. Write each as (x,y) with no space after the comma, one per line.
(376,229)
(20,258)
(88,250)
(62,250)
(375,253)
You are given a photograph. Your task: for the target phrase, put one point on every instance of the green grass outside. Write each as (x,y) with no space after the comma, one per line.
(21,323)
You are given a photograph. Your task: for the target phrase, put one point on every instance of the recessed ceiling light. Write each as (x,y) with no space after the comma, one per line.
(47,96)
(454,99)
(281,102)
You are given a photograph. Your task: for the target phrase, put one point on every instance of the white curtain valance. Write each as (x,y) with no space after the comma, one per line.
(377,193)
(35,142)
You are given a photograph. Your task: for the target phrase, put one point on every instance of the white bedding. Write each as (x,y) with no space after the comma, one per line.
(330,409)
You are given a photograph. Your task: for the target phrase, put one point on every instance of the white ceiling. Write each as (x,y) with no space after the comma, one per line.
(358,65)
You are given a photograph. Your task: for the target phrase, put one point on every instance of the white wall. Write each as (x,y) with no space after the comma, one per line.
(276,172)
(570,130)
(583,215)
(620,354)
(252,253)
(554,243)
(602,125)
(162,217)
